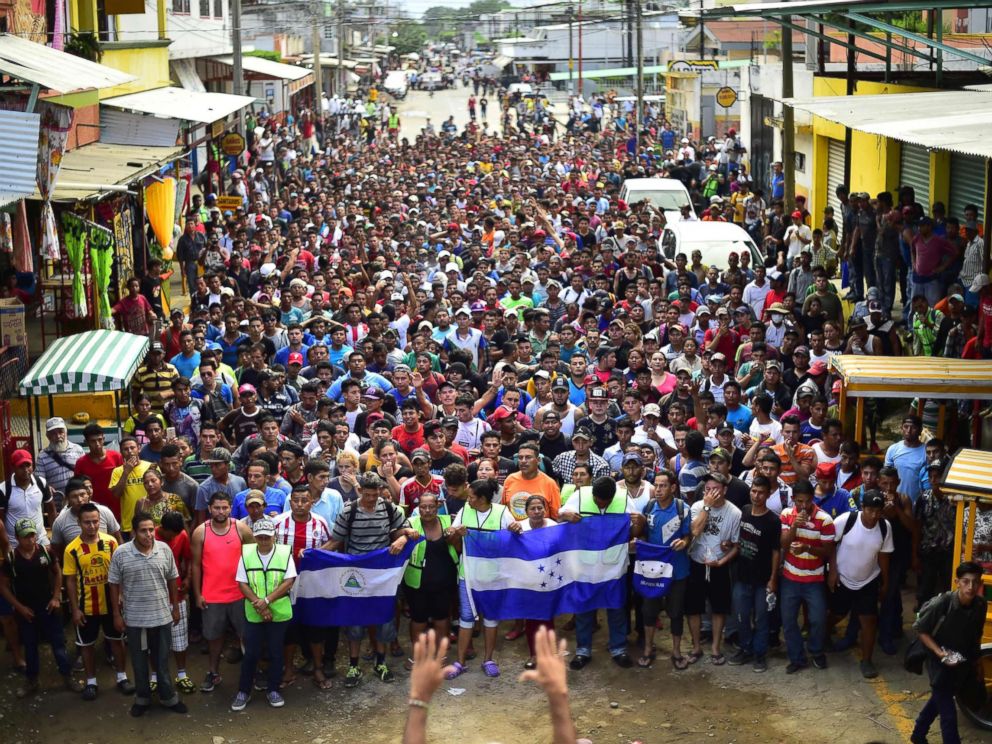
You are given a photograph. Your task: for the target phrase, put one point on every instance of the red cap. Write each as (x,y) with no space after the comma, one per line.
(502,413)
(295,357)
(20,457)
(817,368)
(826,471)
(797,215)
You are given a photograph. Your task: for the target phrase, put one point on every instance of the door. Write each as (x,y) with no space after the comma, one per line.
(835,176)
(762,141)
(707,115)
(914,170)
(967,185)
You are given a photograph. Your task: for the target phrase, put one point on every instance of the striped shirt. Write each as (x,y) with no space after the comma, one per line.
(362,532)
(91,565)
(819,530)
(300,536)
(144,581)
(156,384)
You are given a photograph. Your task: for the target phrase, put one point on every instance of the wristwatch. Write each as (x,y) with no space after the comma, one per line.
(707,509)
(266,600)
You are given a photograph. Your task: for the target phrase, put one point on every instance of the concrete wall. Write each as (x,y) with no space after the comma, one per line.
(148,61)
(192,35)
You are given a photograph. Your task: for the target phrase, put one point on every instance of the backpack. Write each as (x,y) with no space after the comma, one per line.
(849,525)
(916,653)
(353,513)
(36,480)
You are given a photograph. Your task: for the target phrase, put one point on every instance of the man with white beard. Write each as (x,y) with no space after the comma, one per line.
(57,461)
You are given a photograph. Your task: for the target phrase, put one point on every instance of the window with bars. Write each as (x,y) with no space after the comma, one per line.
(204,8)
(218,8)
(180,6)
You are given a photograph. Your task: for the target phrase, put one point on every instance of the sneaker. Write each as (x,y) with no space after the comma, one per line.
(383,673)
(261,684)
(353,677)
(760,665)
(185,684)
(275,699)
(240,701)
(820,662)
(740,658)
(795,667)
(89,693)
(868,670)
(210,682)
(137,711)
(125,687)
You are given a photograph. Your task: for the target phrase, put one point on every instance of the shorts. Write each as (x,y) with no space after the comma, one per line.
(466,618)
(180,630)
(385,633)
(716,587)
(673,603)
(429,604)
(217,615)
(863,601)
(87,635)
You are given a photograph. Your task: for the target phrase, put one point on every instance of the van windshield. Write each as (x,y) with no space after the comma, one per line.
(669,201)
(715,251)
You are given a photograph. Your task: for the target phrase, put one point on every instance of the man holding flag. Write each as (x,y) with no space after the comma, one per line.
(602,499)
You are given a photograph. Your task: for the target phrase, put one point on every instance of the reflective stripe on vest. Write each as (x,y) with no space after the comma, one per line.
(415,568)
(492,523)
(588,506)
(264,580)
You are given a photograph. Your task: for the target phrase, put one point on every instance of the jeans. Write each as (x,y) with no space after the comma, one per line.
(794,593)
(886,269)
(933,290)
(750,602)
(855,275)
(941,703)
(616,621)
(45,628)
(868,266)
(935,574)
(890,614)
(191,271)
(257,635)
(145,642)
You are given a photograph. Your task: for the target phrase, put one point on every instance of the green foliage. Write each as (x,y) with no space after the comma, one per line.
(85,45)
(271,56)
(410,37)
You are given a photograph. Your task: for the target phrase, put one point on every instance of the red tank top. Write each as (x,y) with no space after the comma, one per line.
(221,554)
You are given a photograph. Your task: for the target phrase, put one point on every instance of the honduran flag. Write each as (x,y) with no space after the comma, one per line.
(652,570)
(550,571)
(339,589)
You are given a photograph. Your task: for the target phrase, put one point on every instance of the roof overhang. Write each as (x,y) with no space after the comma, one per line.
(178,103)
(53,69)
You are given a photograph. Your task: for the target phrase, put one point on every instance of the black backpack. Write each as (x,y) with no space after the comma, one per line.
(849,525)
(390,510)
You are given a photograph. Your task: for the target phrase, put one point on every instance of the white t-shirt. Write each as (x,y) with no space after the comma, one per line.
(822,456)
(773,430)
(505,520)
(525,524)
(857,551)
(242,574)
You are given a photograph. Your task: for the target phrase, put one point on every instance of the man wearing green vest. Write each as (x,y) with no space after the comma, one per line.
(431,577)
(265,575)
(589,504)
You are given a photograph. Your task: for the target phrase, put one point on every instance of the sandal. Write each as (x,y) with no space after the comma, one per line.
(491,668)
(694,656)
(718,659)
(644,661)
(514,635)
(680,663)
(457,670)
(408,665)
(286,682)
(396,650)
(321,682)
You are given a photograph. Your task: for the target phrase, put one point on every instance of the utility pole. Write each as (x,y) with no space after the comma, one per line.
(788,121)
(237,74)
(640,77)
(571,61)
(318,70)
(580,47)
(341,88)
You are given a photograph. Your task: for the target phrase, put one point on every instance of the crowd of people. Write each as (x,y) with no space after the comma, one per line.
(392,339)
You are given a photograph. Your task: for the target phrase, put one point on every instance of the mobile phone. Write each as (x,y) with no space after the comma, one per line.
(170,433)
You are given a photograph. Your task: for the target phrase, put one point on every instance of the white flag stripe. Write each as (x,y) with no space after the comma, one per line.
(654,569)
(330,582)
(590,566)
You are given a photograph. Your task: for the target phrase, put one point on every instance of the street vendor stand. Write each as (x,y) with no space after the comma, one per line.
(922,378)
(94,363)
(968,483)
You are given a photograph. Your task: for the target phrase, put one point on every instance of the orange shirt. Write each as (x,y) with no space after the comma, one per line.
(803,453)
(516,489)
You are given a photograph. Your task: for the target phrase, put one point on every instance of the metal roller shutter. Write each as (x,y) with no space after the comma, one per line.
(914,170)
(967,184)
(835,175)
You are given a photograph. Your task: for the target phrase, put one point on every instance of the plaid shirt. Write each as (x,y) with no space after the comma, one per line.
(564,466)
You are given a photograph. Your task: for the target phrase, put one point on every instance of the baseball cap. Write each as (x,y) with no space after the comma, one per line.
(721,453)
(582,432)
(478,306)
(542,374)
(725,428)
(20,457)
(826,471)
(55,422)
(801,350)
(718,357)
(449,421)
(817,368)
(255,497)
(464,311)
(651,409)
(632,457)
(559,383)
(295,357)
(598,393)
(420,454)
(873,499)
(25,527)
(156,346)
(797,215)
(246,388)
(218,455)
(263,527)
(372,393)
(502,413)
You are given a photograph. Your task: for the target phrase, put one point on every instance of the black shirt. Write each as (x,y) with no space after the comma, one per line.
(604,435)
(448,458)
(759,538)
(553,447)
(29,578)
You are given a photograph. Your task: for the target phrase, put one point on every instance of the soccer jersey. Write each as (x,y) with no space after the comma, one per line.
(300,536)
(91,565)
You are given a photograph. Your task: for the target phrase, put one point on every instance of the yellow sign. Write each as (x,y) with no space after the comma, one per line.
(232,144)
(692,65)
(229,202)
(726,97)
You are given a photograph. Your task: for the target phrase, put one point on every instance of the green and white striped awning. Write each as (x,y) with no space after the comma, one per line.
(90,362)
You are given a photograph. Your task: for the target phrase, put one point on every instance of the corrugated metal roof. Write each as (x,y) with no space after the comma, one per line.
(178,103)
(970,470)
(955,120)
(55,70)
(908,377)
(18,155)
(262,66)
(185,70)
(101,164)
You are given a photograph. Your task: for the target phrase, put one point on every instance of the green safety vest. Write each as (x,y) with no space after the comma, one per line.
(394,122)
(493,523)
(415,568)
(263,581)
(587,504)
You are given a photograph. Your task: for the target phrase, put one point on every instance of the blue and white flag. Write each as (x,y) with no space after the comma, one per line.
(652,570)
(339,589)
(550,571)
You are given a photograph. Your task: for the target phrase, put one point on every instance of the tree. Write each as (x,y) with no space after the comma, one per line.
(409,37)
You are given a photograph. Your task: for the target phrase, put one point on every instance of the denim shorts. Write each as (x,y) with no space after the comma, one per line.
(466,619)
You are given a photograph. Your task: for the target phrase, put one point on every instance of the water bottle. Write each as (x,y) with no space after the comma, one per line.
(771,599)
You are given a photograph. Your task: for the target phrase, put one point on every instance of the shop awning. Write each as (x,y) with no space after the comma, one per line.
(329,60)
(90,362)
(186,74)
(177,103)
(57,71)
(256,68)
(500,61)
(94,170)
(934,378)
(955,120)
(970,472)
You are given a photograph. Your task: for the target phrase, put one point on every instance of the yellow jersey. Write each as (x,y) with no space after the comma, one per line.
(90,563)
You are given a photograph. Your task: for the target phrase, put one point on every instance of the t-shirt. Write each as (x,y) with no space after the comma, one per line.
(182,551)
(804,455)
(134,490)
(29,577)
(664,527)
(99,474)
(857,551)
(300,536)
(90,563)
(133,312)
(241,576)
(517,489)
(412,490)
(760,537)
(25,503)
(66,527)
(722,525)
(908,461)
(805,567)
(369,530)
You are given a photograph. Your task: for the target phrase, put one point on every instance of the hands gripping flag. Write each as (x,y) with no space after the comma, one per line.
(652,570)
(339,589)
(542,573)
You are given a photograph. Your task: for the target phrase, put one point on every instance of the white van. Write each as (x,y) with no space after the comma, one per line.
(667,194)
(715,240)
(396,83)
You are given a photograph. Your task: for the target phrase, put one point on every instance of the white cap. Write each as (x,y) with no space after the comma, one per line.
(452,266)
(266,269)
(385,274)
(55,422)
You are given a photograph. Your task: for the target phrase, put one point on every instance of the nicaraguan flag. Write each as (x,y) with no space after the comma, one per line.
(549,571)
(652,570)
(339,589)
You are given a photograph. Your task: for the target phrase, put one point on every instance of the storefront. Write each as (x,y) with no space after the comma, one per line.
(282,88)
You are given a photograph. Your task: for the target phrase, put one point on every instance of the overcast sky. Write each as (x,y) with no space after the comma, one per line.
(417,7)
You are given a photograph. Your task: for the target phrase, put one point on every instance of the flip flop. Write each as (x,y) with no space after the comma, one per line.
(644,662)
(286,682)
(694,656)
(718,659)
(408,665)
(456,670)
(322,684)
(680,663)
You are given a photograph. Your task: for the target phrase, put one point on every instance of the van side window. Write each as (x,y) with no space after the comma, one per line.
(668,244)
